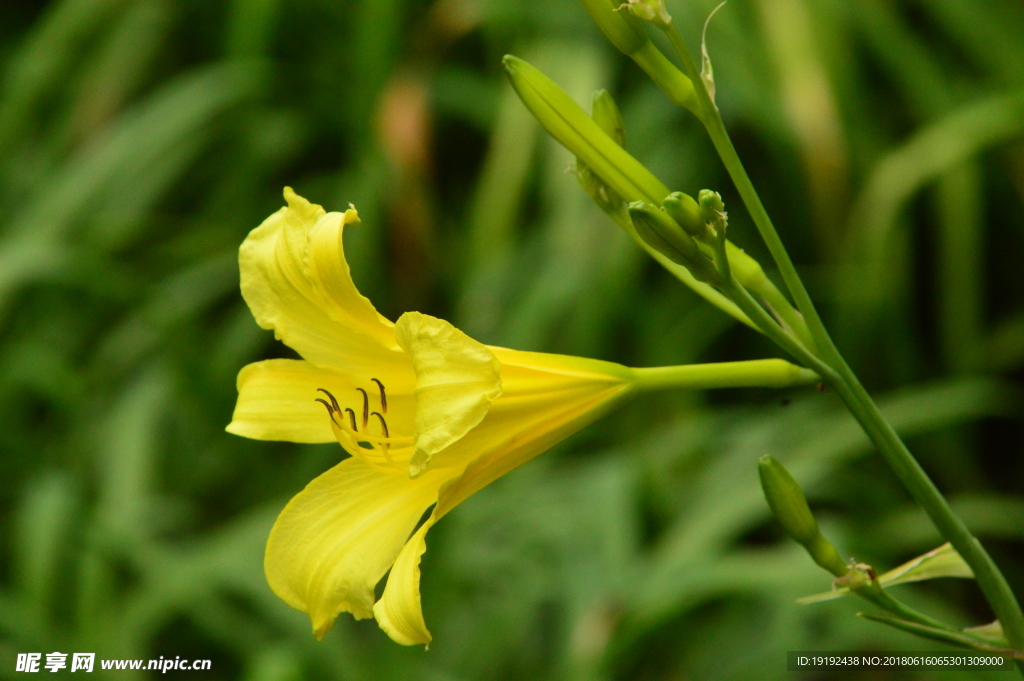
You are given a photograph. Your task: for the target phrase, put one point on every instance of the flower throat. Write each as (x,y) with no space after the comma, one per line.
(382,452)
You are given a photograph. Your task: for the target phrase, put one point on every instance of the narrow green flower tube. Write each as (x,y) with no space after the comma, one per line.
(789,505)
(760,373)
(663,234)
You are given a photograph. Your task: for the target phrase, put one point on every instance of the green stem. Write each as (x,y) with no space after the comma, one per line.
(767,325)
(758,373)
(991,581)
(712,121)
(874,593)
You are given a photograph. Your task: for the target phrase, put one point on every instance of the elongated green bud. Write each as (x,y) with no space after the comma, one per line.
(663,234)
(629,36)
(686,212)
(606,114)
(623,30)
(568,123)
(789,505)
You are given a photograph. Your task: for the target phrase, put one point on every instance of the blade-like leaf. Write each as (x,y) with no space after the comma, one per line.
(941,562)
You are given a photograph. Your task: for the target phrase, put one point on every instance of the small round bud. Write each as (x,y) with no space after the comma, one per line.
(685,211)
(710,204)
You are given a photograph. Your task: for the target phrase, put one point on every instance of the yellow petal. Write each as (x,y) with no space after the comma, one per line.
(296,281)
(276,401)
(399,611)
(457,378)
(336,538)
(513,442)
(546,398)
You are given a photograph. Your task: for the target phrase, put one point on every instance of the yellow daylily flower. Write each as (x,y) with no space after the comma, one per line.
(429,416)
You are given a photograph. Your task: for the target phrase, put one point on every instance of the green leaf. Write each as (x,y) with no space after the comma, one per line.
(941,562)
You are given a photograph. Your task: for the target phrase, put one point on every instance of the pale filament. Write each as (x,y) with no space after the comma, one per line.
(375,450)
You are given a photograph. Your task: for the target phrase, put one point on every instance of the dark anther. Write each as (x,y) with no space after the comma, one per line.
(334,402)
(383,396)
(366,407)
(330,410)
(383,424)
(352,418)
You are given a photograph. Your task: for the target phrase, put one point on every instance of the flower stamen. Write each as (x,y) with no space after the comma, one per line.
(330,409)
(383,396)
(385,447)
(334,402)
(374,450)
(366,407)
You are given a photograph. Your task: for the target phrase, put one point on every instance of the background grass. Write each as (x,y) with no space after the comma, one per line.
(140,140)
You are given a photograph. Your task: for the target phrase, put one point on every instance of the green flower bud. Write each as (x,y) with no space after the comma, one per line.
(663,234)
(606,198)
(650,10)
(606,114)
(711,205)
(686,212)
(789,505)
(628,35)
(622,29)
(568,123)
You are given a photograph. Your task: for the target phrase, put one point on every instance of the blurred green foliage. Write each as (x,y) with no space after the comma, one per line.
(140,140)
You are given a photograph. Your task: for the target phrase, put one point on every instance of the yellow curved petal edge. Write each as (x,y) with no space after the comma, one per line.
(399,611)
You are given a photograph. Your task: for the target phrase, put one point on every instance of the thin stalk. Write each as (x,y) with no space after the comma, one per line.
(839,375)
(767,325)
(874,593)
